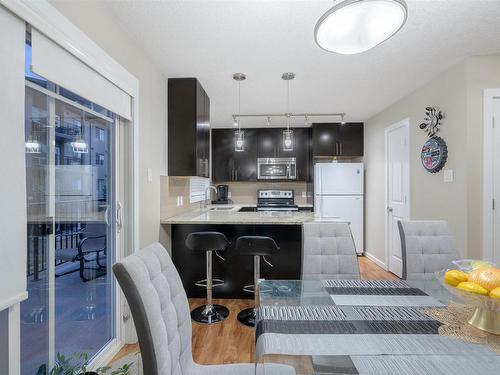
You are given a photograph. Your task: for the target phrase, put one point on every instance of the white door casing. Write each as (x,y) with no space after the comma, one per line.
(491,175)
(397,152)
(496,181)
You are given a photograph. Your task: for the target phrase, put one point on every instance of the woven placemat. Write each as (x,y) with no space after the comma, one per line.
(455,318)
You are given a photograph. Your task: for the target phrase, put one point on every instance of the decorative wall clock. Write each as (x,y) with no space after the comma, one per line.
(434,154)
(432,121)
(434,151)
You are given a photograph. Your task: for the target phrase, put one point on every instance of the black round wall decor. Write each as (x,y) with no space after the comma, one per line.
(434,154)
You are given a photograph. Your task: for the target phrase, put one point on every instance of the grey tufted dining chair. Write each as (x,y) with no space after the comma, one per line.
(160,310)
(329,251)
(426,247)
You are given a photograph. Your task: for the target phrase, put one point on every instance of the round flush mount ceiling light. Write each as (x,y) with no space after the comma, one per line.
(355,26)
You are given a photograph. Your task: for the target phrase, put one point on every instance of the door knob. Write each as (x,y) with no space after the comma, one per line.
(389,209)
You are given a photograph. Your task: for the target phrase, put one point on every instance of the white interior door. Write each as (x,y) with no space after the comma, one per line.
(397,189)
(496,180)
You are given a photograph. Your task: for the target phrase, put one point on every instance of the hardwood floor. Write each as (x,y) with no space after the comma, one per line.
(231,342)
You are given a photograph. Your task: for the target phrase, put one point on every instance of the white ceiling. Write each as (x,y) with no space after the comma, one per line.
(211,40)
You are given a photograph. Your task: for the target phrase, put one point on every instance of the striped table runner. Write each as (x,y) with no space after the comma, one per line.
(372,325)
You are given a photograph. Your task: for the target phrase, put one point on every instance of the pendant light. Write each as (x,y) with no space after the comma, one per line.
(32,146)
(239,143)
(79,145)
(355,26)
(288,134)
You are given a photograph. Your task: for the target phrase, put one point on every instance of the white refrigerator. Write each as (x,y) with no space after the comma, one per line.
(339,194)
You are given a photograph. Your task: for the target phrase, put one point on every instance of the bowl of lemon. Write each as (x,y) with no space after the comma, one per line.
(478,283)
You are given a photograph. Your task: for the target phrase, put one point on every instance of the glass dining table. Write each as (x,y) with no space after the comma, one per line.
(360,327)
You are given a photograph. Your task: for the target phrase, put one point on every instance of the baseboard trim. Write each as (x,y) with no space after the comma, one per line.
(374,259)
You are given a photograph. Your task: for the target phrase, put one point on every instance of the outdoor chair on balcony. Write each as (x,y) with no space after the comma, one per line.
(88,247)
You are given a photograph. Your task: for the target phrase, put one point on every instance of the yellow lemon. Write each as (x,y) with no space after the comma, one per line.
(495,293)
(455,277)
(487,277)
(472,288)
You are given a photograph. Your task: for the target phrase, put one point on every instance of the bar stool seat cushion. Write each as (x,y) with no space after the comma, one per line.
(207,241)
(256,246)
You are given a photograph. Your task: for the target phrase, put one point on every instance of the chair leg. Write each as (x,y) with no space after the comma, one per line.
(248,317)
(209,313)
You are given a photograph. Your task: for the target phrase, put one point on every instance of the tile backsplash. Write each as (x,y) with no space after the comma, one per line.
(173,188)
(246,192)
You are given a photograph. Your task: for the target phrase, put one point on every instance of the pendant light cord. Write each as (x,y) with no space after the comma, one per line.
(239,107)
(288,108)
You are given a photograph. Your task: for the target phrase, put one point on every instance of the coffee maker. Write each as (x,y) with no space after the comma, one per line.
(222,194)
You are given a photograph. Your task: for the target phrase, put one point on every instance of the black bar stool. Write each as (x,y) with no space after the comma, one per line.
(256,246)
(208,242)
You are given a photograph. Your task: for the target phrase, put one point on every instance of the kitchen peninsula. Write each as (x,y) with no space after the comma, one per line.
(237,270)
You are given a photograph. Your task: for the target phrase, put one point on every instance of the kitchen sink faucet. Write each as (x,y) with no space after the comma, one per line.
(206,194)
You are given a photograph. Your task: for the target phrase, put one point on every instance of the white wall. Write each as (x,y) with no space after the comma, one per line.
(458,92)
(96,20)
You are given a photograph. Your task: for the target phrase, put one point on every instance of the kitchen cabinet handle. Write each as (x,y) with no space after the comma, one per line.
(336,148)
(341,149)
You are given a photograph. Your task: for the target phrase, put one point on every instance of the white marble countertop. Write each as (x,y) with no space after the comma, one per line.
(228,214)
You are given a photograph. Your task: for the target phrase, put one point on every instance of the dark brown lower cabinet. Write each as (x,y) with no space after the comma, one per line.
(236,270)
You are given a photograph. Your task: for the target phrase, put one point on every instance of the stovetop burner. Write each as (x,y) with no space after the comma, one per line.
(276,200)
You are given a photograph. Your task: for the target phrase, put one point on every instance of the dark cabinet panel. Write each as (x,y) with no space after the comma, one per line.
(325,139)
(335,139)
(246,161)
(223,155)
(267,143)
(188,128)
(302,152)
(229,165)
(236,270)
(351,139)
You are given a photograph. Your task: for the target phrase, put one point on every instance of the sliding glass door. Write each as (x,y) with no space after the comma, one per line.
(72,235)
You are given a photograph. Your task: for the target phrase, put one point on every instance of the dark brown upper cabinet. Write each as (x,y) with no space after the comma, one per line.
(188,128)
(335,139)
(229,165)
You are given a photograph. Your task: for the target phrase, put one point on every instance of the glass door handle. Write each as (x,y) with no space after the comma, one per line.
(43,228)
(119,218)
(106,215)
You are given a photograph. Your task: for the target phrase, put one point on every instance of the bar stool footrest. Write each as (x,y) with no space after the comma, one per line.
(215,283)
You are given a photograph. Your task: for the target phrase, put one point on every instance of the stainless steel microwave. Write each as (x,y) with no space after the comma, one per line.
(276,168)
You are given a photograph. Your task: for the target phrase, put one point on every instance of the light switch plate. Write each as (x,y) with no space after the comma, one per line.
(448,175)
(304,194)
(229,194)
(150,174)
